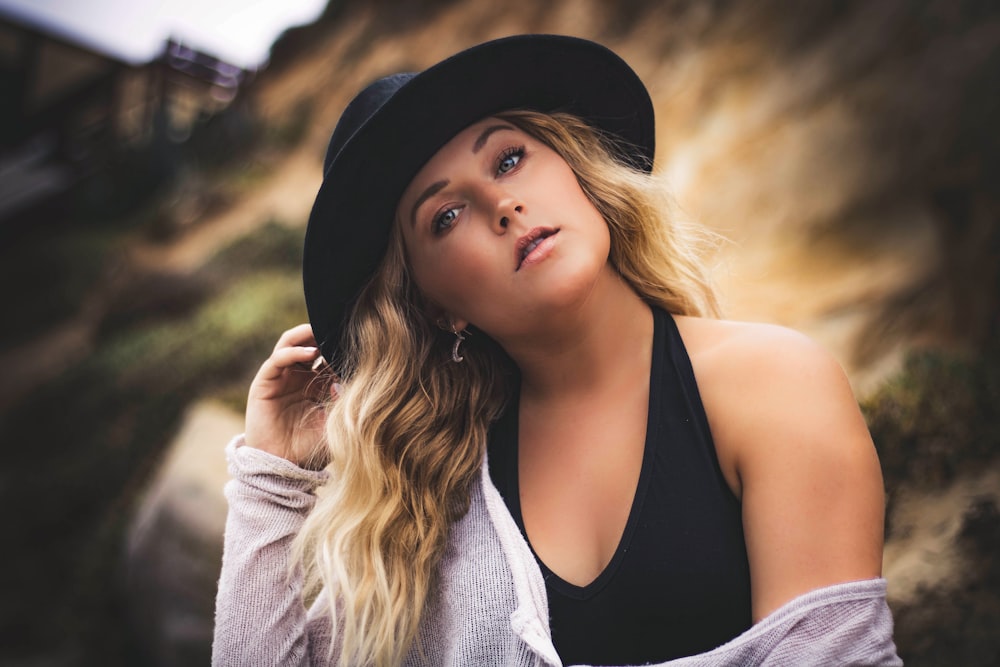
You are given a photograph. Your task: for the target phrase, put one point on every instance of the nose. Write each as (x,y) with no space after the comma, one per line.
(507,209)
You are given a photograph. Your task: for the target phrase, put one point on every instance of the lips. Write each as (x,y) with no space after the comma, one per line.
(527,243)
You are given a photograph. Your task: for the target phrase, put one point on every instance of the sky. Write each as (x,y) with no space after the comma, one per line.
(238,31)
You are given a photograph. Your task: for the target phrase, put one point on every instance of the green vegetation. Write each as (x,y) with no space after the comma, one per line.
(937,420)
(81,446)
(272,246)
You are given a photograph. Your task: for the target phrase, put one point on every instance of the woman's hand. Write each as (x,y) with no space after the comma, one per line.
(284,408)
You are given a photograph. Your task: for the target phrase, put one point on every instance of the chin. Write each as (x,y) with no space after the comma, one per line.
(572,286)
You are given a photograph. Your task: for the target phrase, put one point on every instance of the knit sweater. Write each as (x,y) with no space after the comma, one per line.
(491,608)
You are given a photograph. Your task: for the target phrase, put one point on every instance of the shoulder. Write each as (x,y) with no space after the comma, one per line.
(766,387)
(738,351)
(760,373)
(794,447)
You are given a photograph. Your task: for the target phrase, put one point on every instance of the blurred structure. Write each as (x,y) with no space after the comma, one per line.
(69,112)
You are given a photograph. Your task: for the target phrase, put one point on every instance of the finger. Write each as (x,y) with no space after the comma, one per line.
(299,358)
(296,358)
(318,363)
(297,336)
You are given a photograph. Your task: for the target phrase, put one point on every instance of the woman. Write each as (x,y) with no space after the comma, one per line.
(540,449)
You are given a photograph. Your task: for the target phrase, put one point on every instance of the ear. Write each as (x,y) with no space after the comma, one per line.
(444,320)
(450,324)
(438,316)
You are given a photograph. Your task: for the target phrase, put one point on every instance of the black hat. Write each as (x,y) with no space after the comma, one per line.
(396,124)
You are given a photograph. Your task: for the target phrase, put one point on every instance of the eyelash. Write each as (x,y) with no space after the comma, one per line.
(506,154)
(438,225)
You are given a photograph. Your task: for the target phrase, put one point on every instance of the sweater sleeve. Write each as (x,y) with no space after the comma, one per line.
(260,615)
(842,624)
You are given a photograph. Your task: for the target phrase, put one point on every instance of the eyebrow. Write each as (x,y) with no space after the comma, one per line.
(481,139)
(431,190)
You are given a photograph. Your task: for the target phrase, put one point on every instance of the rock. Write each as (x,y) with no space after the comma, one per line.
(174,542)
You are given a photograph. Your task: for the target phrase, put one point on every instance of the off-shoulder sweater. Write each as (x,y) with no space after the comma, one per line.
(491,607)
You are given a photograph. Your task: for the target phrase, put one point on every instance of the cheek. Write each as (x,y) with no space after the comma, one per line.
(428,280)
(452,279)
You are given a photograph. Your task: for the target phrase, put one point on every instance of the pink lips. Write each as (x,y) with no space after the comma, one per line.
(528,245)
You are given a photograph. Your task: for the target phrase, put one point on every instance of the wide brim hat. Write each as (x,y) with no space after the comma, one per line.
(396,124)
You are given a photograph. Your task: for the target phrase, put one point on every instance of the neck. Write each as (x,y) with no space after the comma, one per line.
(592,346)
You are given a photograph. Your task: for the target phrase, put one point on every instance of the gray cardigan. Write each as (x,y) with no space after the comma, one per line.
(492,608)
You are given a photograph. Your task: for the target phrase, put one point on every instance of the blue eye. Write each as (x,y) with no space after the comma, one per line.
(444,220)
(509,159)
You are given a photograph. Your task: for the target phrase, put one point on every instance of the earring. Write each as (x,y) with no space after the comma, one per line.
(459,337)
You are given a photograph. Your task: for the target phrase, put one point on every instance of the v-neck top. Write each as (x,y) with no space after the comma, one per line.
(679,582)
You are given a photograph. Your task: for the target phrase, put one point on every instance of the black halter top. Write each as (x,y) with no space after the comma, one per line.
(678,583)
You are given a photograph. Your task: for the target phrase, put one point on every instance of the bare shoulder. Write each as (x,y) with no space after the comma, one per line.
(763,384)
(727,350)
(762,375)
(795,449)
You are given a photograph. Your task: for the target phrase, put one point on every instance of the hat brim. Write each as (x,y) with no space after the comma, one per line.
(352,216)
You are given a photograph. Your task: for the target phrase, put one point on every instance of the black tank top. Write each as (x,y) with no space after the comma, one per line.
(678,583)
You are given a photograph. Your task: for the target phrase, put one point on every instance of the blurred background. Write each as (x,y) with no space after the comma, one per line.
(156,173)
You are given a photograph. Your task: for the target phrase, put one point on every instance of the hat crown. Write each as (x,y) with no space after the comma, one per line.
(364,105)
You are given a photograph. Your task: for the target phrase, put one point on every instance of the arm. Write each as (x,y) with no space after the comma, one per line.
(795,448)
(260,613)
(260,617)
(842,624)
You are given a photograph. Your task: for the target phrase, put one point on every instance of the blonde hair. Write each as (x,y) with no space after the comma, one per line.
(660,255)
(407,435)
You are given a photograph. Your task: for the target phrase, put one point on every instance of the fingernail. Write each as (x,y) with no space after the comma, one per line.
(337,388)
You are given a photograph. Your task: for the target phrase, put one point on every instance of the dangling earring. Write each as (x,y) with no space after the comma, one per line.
(459,337)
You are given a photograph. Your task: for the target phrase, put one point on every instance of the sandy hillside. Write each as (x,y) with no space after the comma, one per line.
(766,118)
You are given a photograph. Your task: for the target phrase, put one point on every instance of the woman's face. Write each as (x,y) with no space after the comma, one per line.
(499,233)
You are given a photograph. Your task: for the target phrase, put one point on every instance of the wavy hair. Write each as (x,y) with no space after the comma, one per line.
(407,434)
(657,252)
